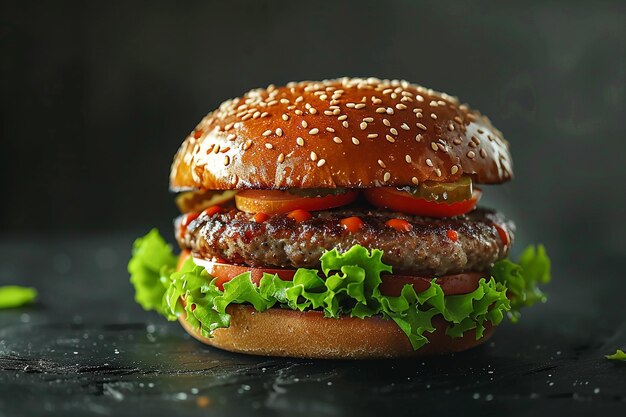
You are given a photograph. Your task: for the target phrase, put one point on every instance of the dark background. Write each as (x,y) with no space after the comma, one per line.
(97,96)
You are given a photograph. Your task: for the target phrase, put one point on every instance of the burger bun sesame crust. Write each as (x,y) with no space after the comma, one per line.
(289,333)
(349,132)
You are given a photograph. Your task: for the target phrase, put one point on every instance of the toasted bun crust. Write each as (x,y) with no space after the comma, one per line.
(347,132)
(279,332)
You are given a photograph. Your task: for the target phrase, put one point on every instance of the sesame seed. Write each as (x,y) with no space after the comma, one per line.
(216,149)
(342,117)
(454,169)
(246,117)
(389,110)
(419,98)
(429,162)
(393,131)
(304,124)
(450,127)
(415,181)
(337,139)
(323,96)
(312,110)
(433,116)
(330,129)
(321,162)
(457,141)
(400,106)
(247,144)
(471,154)
(438,172)
(381,110)
(421,126)
(285,117)
(418,115)
(232,136)
(386,122)
(483,153)
(434,146)
(267,133)
(284,101)
(368,119)
(300,141)
(269,146)
(418,137)
(359,106)
(405,126)
(226,160)
(313,156)
(314,131)
(458,119)
(345,124)
(350,105)
(387,91)
(382,164)
(433,103)
(279,132)
(372,135)
(328,112)
(386,177)
(226,149)
(355,140)
(228,126)
(281,158)
(298,112)
(390,138)
(408,159)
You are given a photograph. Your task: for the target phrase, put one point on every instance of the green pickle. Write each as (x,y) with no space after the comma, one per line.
(443,192)
(194,201)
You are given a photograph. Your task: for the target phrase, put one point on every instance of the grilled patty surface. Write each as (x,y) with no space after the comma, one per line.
(425,250)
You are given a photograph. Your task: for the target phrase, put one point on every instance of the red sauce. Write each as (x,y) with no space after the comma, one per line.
(504,235)
(186,220)
(452,235)
(260,217)
(400,225)
(197,134)
(351,224)
(211,211)
(299,215)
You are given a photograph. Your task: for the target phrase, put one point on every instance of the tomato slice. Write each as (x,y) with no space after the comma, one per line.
(276,201)
(450,284)
(226,272)
(391,284)
(397,200)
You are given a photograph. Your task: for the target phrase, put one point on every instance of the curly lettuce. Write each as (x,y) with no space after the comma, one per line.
(347,285)
(12,296)
(619,355)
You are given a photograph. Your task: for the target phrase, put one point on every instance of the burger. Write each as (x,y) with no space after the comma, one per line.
(339,219)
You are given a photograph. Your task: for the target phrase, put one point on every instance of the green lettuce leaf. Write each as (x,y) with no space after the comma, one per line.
(523,279)
(619,355)
(150,268)
(12,296)
(347,285)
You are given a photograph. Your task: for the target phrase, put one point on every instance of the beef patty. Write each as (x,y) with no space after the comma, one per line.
(425,250)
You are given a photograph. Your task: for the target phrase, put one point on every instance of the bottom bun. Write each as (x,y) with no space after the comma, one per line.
(280,332)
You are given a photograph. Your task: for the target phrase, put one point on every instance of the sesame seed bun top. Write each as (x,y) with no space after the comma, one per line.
(349,132)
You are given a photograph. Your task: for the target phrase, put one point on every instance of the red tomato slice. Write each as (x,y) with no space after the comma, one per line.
(394,199)
(276,201)
(391,284)
(225,272)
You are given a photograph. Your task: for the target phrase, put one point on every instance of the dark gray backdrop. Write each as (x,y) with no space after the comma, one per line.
(97,96)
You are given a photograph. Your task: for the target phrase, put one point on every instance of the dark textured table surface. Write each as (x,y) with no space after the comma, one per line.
(86,349)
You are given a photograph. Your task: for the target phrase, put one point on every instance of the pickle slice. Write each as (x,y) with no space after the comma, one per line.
(194,201)
(449,192)
(316,192)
